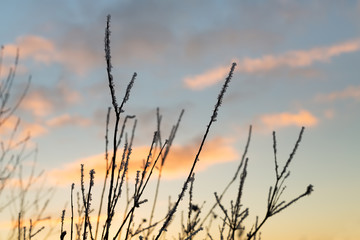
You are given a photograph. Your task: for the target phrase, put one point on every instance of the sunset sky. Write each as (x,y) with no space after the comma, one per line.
(297,65)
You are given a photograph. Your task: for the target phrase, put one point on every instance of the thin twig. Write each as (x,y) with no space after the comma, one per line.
(212,119)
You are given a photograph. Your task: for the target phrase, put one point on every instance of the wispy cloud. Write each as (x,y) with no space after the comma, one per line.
(31,46)
(38,103)
(22,131)
(297,58)
(267,63)
(76,58)
(286,119)
(68,94)
(179,161)
(66,119)
(329,113)
(216,150)
(8,126)
(351,92)
(206,79)
(43,101)
(34,129)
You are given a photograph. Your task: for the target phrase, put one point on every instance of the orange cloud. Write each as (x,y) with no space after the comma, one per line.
(8,126)
(46,51)
(69,94)
(297,58)
(303,118)
(209,78)
(40,49)
(82,59)
(6,67)
(178,164)
(291,59)
(329,113)
(352,92)
(34,129)
(66,119)
(37,103)
(217,150)
(42,101)
(24,129)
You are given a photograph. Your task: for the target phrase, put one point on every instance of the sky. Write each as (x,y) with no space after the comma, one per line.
(296,66)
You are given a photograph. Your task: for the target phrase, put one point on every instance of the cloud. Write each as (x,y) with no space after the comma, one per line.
(278,120)
(78,55)
(329,113)
(351,92)
(23,129)
(267,63)
(68,94)
(34,129)
(66,119)
(209,78)
(8,126)
(42,101)
(180,159)
(217,150)
(201,44)
(295,59)
(37,102)
(6,67)
(147,42)
(30,46)
(75,56)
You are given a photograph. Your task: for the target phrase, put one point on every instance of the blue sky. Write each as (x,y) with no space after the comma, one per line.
(296,66)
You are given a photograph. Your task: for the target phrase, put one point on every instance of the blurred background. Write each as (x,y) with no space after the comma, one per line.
(297,65)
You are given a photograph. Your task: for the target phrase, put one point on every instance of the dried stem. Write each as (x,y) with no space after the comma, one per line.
(233,179)
(273,205)
(212,119)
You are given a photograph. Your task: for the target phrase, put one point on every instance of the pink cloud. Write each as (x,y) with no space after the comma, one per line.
(34,129)
(43,100)
(8,126)
(6,67)
(278,120)
(78,59)
(267,63)
(66,119)
(351,92)
(217,150)
(68,94)
(37,103)
(329,113)
(23,129)
(209,78)
(31,46)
